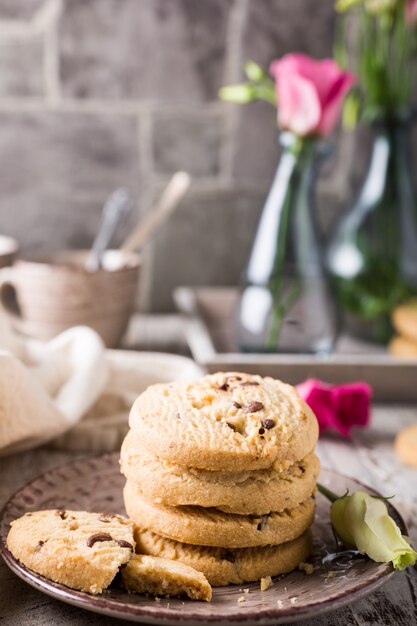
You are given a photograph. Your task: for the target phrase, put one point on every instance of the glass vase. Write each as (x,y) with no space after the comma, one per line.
(286,304)
(373,254)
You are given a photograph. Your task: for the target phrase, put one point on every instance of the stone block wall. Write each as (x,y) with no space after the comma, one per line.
(96,94)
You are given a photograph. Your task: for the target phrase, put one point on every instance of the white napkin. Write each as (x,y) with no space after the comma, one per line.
(45,388)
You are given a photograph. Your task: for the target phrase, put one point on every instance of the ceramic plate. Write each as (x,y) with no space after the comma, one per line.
(96,485)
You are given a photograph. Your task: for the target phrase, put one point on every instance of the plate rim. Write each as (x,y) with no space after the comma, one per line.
(160,614)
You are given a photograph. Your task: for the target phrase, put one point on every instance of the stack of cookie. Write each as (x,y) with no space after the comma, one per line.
(221,475)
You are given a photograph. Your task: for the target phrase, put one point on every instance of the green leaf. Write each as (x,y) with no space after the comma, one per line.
(254,72)
(239,94)
(345,5)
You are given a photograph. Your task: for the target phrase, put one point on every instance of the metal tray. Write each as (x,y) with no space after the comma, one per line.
(209,332)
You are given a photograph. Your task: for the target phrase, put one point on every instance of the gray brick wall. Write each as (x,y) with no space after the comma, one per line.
(100,93)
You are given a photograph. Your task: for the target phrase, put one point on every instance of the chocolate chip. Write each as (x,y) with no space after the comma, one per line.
(263,522)
(253,407)
(124,544)
(104,517)
(177,416)
(227,555)
(98,537)
(268,424)
(237,405)
(62,513)
(232,426)
(302,469)
(248,383)
(39,546)
(261,431)
(233,377)
(223,387)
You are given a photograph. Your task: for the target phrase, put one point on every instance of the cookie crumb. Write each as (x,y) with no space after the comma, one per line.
(308,568)
(293,600)
(241,599)
(266,583)
(280,604)
(330,573)
(246,591)
(157,599)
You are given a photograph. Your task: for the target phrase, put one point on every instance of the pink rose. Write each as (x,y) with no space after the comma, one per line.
(338,407)
(411,12)
(309,93)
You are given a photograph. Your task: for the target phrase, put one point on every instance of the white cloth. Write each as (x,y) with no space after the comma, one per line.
(45,388)
(73,383)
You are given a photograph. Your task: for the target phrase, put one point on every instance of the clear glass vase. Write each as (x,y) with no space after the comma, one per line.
(286,304)
(372,256)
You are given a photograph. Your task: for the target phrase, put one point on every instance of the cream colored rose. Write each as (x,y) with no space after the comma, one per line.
(362,521)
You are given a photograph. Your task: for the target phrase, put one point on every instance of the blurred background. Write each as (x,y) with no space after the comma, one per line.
(102,93)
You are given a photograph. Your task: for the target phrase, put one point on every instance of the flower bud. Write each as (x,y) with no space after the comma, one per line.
(362,521)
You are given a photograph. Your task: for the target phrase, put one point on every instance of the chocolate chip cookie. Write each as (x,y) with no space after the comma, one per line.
(229,566)
(210,527)
(225,421)
(256,492)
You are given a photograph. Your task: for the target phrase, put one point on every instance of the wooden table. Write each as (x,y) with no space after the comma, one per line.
(368,456)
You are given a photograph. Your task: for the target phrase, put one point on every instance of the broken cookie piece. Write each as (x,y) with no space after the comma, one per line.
(163,577)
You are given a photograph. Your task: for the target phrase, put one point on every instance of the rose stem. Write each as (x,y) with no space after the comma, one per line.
(327,493)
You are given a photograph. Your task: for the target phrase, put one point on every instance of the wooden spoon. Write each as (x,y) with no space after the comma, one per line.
(168,202)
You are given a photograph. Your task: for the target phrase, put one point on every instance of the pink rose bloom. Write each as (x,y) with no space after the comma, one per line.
(411,12)
(338,407)
(309,93)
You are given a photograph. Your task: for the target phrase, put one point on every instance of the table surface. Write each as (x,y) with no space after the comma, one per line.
(368,456)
